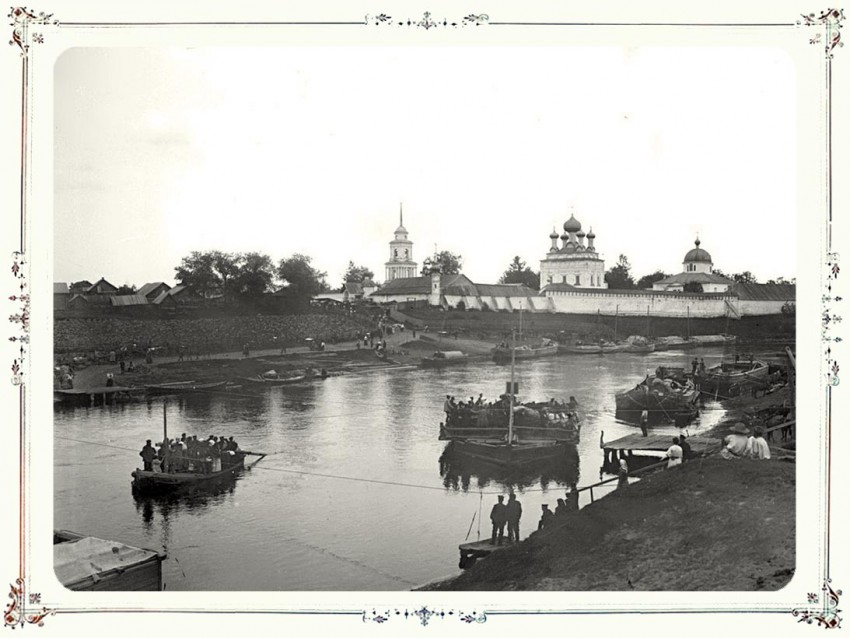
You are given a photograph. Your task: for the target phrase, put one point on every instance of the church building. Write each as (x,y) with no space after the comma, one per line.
(401,264)
(573,262)
(696,267)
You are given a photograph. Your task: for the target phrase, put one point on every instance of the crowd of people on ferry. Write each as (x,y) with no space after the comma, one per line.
(465,413)
(190,454)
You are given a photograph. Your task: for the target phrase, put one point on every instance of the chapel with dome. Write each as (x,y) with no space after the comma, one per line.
(697,269)
(573,262)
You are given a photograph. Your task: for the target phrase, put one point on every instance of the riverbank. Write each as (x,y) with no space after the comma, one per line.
(709,524)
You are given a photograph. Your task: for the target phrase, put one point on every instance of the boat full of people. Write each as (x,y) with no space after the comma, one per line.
(187,462)
(665,394)
(478,419)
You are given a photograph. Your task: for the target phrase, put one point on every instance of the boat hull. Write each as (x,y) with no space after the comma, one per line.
(502,454)
(185,388)
(159,482)
(561,434)
(722,380)
(589,349)
(504,354)
(442,363)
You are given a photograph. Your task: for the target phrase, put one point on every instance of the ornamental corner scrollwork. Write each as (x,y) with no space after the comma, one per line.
(16,615)
(21,318)
(830,20)
(826,616)
(21,19)
(423,614)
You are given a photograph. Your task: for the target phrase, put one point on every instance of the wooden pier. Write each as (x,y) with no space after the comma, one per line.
(470,552)
(99,395)
(625,447)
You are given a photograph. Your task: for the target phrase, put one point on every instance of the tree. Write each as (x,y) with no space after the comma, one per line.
(357,274)
(304,280)
(745,277)
(645,282)
(448,263)
(518,272)
(126,289)
(692,286)
(619,277)
(198,272)
(254,275)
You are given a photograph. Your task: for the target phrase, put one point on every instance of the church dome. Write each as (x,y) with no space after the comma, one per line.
(591,234)
(698,254)
(580,233)
(572,225)
(553,234)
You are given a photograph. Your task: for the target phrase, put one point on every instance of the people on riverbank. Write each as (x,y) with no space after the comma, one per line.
(674,454)
(758,447)
(546,517)
(623,474)
(513,511)
(736,445)
(499,518)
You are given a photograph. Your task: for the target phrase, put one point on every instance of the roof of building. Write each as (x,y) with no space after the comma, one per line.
(129,300)
(368,283)
(695,277)
(697,254)
(353,287)
(420,285)
(90,299)
(173,292)
(766,292)
(558,286)
(60,288)
(98,282)
(150,287)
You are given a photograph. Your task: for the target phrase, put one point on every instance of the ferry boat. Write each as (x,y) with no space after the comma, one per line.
(443,358)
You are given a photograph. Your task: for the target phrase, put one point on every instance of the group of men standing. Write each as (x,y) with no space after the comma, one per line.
(505,514)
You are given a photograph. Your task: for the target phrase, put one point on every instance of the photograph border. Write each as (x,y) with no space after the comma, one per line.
(29,30)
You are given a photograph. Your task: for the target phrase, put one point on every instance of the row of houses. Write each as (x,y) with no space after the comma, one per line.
(84,295)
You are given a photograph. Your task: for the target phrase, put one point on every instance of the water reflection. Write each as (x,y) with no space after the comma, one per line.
(457,471)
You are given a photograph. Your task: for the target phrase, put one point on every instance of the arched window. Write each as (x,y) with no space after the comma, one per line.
(405,254)
(564,280)
(578,280)
(395,253)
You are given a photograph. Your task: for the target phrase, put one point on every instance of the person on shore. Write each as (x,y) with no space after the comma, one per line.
(572,498)
(623,474)
(694,366)
(644,419)
(736,444)
(546,517)
(759,448)
(561,507)
(498,517)
(131,366)
(110,381)
(702,367)
(122,365)
(674,454)
(687,453)
(513,511)
(148,357)
(148,454)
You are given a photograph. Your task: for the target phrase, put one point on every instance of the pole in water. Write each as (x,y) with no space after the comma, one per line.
(164,423)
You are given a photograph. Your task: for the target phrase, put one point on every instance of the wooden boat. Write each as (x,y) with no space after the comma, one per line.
(444,358)
(608,347)
(661,398)
(202,473)
(86,563)
(640,348)
(580,348)
(270,381)
(532,422)
(721,378)
(546,349)
(185,387)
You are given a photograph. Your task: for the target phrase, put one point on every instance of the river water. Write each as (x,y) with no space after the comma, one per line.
(357,495)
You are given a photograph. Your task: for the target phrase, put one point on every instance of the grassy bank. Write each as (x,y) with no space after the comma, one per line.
(708,525)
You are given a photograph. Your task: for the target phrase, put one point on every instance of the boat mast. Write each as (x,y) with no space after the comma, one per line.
(164,423)
(511,393)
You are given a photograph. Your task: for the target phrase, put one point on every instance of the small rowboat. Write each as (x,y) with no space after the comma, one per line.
(501,353)
(184,387)
(590,348)
(269,382)
(444,358)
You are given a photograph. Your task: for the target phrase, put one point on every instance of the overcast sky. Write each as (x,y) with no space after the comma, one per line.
(163,151)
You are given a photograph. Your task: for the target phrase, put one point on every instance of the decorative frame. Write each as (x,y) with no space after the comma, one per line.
(823,29)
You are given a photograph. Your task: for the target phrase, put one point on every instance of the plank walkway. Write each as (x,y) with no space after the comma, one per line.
(700,444)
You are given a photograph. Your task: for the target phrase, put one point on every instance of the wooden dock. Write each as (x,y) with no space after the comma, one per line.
(98,395)
(470,552)
(700,444)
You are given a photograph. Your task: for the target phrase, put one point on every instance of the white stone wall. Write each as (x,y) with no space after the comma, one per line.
(753,307)
(579,302)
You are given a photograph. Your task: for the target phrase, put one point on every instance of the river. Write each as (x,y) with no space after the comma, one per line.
(354,495)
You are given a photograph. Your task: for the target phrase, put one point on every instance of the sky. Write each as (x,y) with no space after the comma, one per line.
(159,152)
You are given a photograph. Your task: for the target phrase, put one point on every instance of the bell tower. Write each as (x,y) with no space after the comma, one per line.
(400,264)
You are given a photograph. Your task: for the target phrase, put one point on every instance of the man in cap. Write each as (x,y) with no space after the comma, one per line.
(514,513)
(498,516)
(148,454)
(546,516)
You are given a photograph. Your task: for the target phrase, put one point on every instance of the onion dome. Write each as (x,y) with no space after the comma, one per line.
(591,234)
(698,254)
(553,234)
(572,225)
(580,233)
